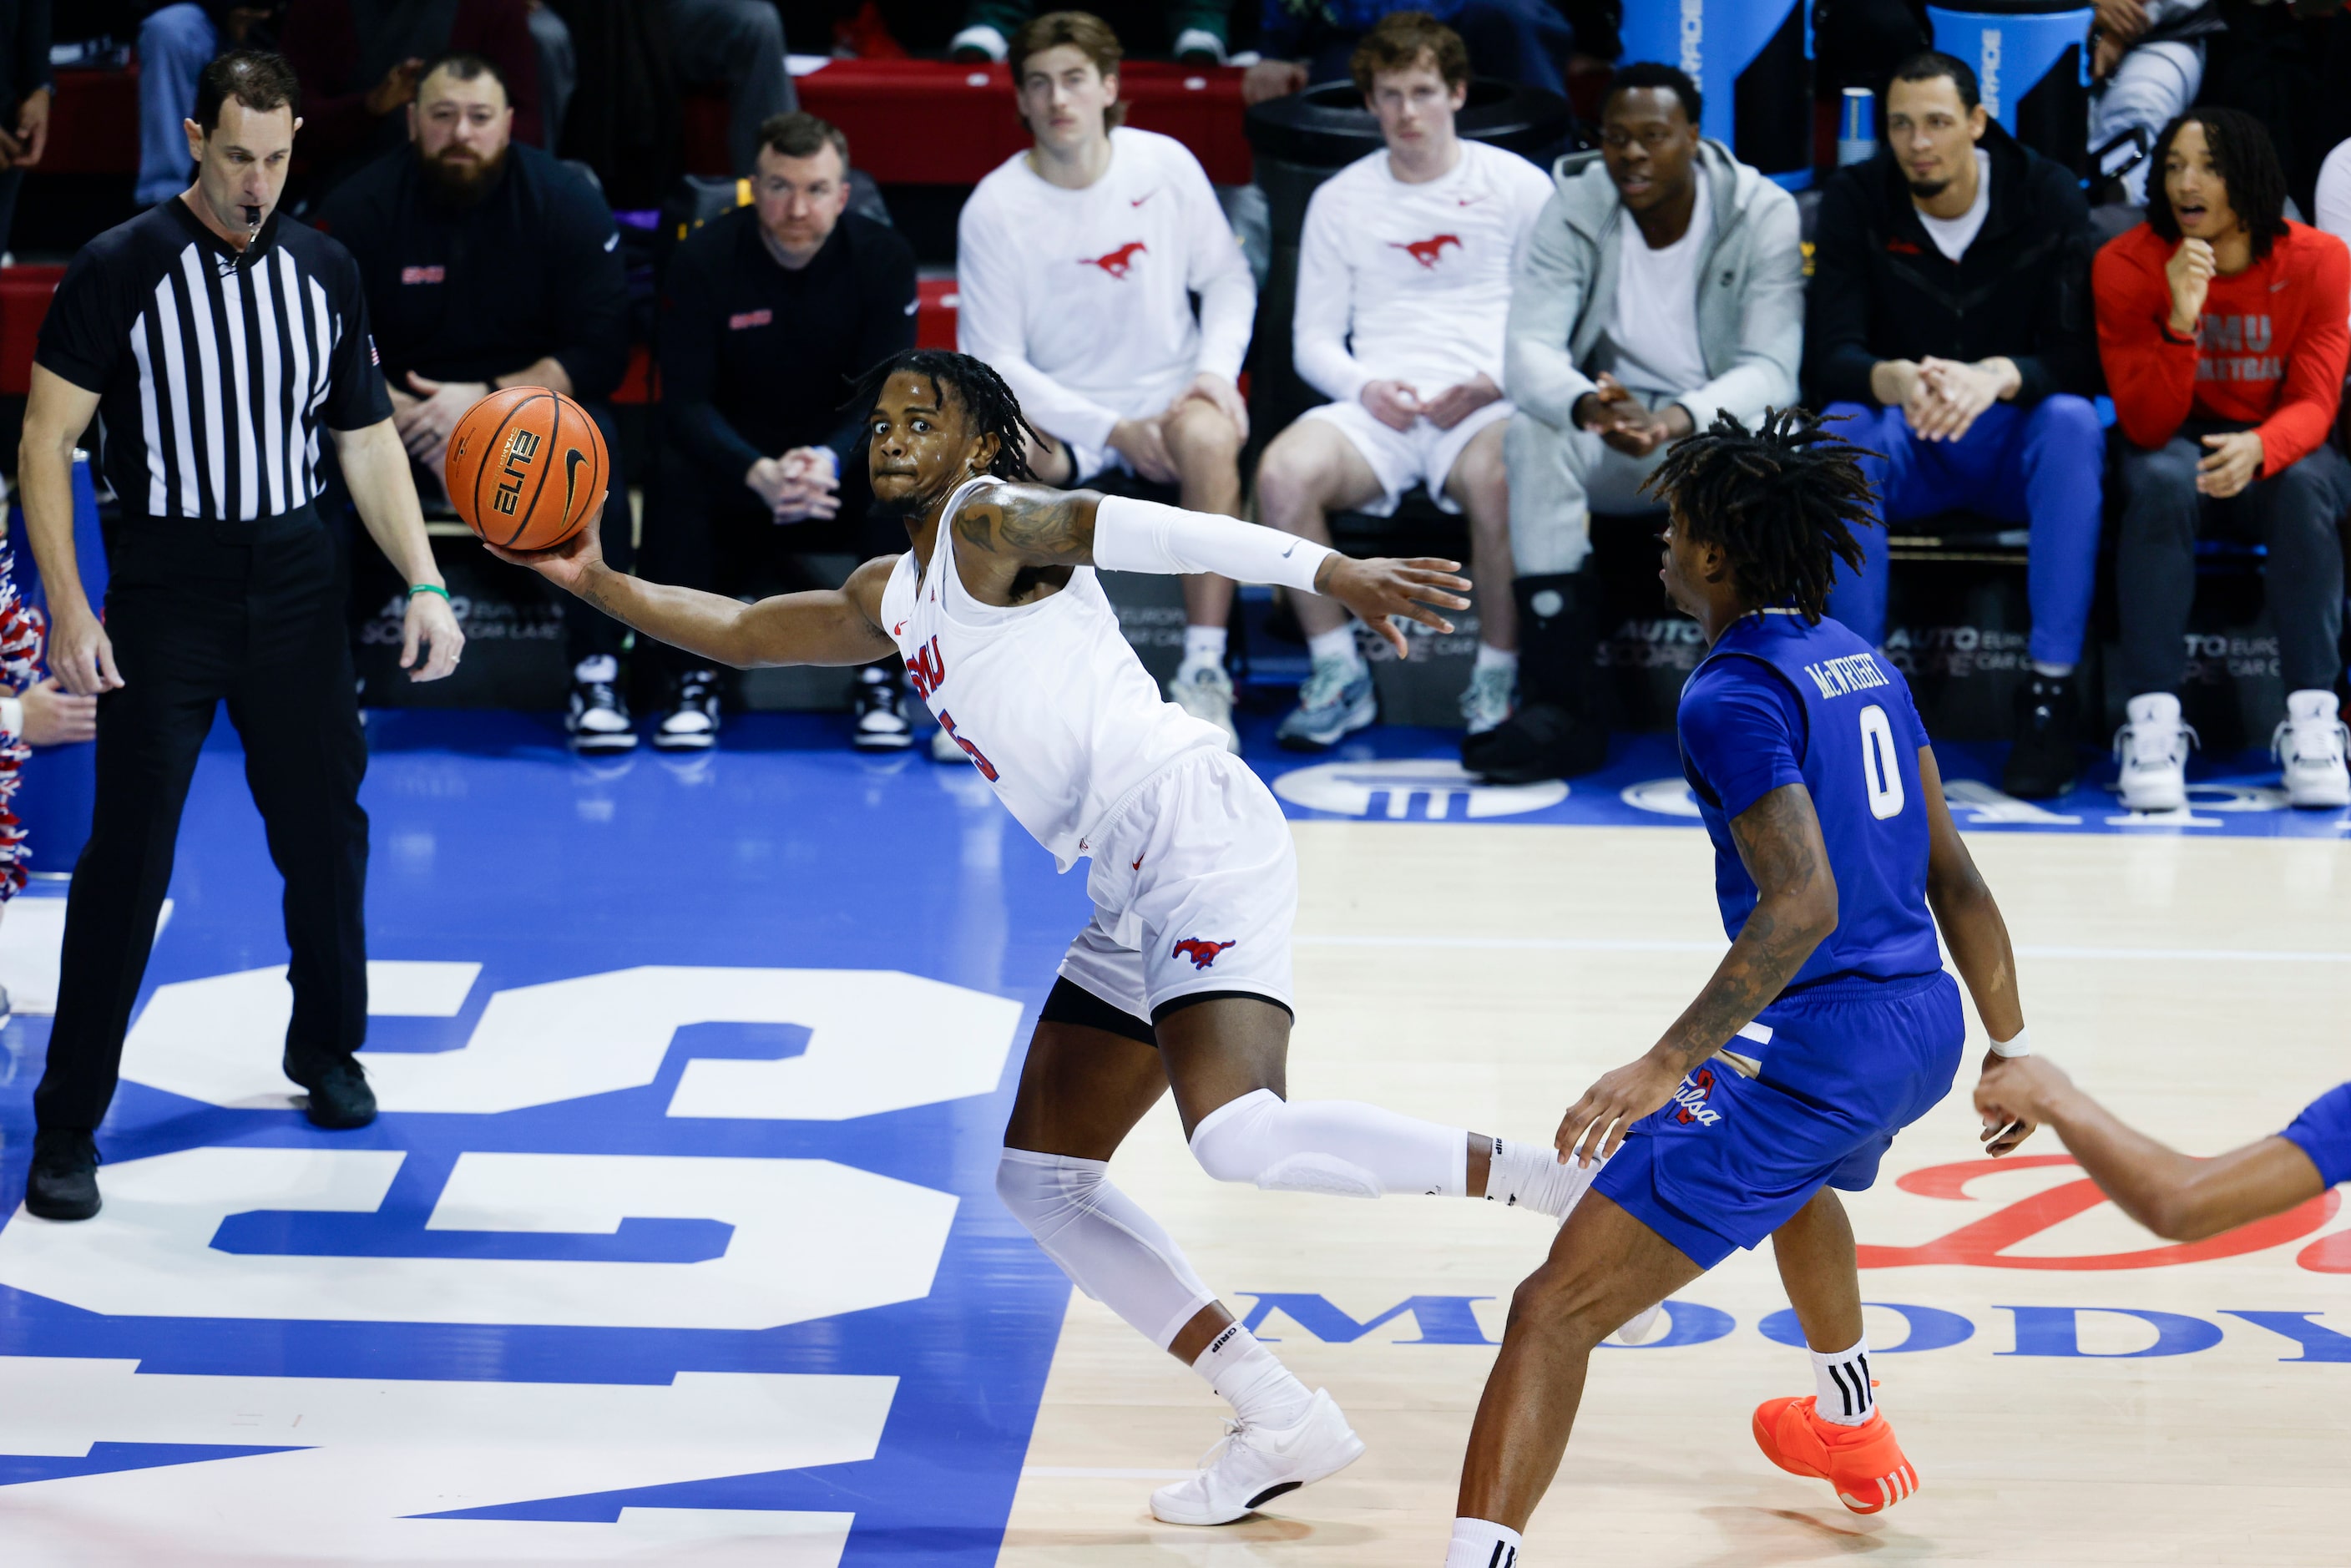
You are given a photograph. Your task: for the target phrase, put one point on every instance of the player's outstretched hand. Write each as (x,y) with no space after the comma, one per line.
(1380,590)
(2014,1096)
(1595,1124)
(568,564)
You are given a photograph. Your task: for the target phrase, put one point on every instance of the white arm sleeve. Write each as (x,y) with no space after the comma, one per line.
(1144,535)
(1219,274)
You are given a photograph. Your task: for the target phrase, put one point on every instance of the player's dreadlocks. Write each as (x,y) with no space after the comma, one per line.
(1782,501)
(986,401)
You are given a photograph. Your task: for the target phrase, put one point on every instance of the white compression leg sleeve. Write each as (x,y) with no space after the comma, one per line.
(1337,1147)
(1103,1240)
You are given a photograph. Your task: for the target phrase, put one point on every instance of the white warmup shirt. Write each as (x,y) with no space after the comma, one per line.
(1081,299)
(1417,275)
(1048,699)
(1654,325)
(1953,235)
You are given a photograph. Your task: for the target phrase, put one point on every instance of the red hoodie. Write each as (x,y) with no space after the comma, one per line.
(2269,351)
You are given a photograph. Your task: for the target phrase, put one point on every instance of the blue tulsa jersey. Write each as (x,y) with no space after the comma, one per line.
(1777,701)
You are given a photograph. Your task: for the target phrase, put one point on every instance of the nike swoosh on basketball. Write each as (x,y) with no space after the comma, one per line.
(571,460)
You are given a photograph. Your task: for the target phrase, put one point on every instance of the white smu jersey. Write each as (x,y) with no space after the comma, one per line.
(1048,699)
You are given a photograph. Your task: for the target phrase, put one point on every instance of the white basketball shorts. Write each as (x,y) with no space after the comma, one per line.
(1195,884)
(1403,458)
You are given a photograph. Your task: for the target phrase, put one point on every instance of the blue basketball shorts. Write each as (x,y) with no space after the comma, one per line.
(1847,1064)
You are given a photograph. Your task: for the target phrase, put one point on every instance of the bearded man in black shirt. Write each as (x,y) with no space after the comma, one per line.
(769,314)
(488,264)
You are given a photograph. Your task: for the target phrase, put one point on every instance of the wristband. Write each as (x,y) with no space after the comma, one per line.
(2009,1049)
(415,588)
(12,717)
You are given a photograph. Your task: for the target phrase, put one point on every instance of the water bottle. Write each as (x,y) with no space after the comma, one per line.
(1857,127)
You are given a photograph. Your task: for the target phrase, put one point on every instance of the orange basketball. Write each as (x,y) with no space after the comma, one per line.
(526,466)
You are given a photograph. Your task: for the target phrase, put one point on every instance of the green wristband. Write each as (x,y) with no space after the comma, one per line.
(427,587)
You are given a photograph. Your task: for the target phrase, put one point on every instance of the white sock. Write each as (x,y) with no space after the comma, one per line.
(1203,645)
(597,667)
(1245,1374)
(2048,671)
(1482,1543)
(1523,1175)
(1845,1397)
(1336,643)
(1491,657)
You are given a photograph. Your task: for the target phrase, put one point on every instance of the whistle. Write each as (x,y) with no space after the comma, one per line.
(253,219)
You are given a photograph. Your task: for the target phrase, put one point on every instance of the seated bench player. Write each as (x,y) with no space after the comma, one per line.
(1077,262)
(1403,285)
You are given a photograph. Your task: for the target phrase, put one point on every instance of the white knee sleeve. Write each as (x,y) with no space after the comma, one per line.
(1103,1240)
(1335,1146)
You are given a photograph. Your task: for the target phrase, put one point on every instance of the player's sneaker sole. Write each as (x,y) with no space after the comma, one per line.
(1865,1465)
(1253,1467)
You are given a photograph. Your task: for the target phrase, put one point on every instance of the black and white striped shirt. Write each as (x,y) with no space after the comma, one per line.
(215,368)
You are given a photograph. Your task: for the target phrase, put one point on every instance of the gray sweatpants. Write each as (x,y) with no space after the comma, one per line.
(1558,477)
(2296,513)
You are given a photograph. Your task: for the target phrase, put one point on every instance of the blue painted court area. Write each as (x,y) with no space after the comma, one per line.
(678,1226)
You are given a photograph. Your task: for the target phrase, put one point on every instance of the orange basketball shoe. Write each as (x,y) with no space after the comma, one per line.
(1864,1463)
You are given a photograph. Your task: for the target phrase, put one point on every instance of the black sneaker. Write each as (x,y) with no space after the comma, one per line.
(1541,742)
(340,1096)
(64,1180)
(881,708)
(598,718)
(2043,761)
(692,722)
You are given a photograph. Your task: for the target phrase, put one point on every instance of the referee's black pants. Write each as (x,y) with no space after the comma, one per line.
(197,617)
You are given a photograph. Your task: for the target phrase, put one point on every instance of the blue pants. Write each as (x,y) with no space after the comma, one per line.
(2043,467)
(1731,1159)
(175,44)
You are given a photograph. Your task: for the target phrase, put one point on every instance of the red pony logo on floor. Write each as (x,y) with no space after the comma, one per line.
(1202,954)
(1427,251)
(1118,263)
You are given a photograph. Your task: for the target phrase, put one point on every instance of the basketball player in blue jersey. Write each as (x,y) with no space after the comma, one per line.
(1828,1027)
(2176,1195)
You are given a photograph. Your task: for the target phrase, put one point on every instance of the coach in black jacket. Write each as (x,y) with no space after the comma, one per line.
(1948,319)
(488,264)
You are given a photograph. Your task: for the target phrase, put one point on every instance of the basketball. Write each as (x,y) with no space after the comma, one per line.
(526,466)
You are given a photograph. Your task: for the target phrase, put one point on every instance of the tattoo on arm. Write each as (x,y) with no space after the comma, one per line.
(1780,841)
(1040,527)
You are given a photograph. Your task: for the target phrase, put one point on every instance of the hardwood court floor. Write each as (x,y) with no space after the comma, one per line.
(1484,973)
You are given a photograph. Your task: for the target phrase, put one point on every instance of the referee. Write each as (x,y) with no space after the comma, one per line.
(217,342)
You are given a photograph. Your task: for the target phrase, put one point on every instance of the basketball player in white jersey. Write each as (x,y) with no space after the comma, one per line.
(1183,978)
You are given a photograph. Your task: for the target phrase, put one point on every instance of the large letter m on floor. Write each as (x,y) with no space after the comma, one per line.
(1442,1320)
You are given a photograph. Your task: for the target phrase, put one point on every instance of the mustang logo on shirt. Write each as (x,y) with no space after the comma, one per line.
(1118,263)
(1427,251)
(423,273)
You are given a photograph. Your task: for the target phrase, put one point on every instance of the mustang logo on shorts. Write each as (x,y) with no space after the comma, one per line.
(1691,1098)
(1427,251)
(1202,954)
(1118,263)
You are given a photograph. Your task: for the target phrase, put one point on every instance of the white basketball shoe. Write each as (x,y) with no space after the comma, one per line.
(2153,751)
(1254,1464)
(2309,746)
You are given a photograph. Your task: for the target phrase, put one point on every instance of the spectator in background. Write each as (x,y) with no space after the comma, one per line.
(487,263)
(1404,284)
(1197,30)
(176,41)
(2332,210)
(737,45)
(1076,261)
(24,100)
(1946,322)
(2222,325)
(1303,42)
(2149,58)
(360,61)
(1665,284)
(768,315)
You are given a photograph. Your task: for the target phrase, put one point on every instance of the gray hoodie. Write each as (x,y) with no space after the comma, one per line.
(1751,299)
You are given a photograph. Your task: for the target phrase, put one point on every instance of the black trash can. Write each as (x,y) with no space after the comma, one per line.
(2031,64)
(1301,140)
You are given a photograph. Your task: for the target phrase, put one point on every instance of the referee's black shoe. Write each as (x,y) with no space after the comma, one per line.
(340,1096)
(64,1181)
